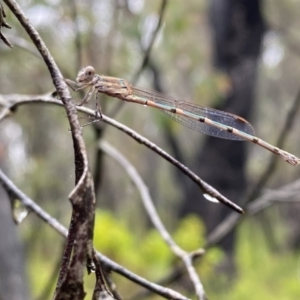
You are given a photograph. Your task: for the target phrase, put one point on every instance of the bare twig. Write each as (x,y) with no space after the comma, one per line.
(205,187)
(24,44)
(286,194)
(14,192)
(12,101)
(109,46)
(162,291)
(101,291)
(266,200)
(153,215)
(147,51)
(283,135)
(280,196)
(145,196)
(4,24)
(112,286)
(78,44)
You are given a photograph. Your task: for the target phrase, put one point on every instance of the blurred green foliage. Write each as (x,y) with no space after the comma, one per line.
(261,273)
(145,254)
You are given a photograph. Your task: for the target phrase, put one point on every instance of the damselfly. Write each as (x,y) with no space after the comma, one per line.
(206,120)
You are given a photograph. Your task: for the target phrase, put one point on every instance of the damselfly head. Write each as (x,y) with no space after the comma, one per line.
(85,75)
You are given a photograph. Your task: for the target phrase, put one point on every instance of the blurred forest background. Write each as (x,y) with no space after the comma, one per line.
(240,56)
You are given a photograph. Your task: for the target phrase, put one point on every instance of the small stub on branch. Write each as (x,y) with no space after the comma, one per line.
(4,24)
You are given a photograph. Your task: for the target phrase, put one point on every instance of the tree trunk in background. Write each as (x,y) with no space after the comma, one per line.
(237,27)
(13,282)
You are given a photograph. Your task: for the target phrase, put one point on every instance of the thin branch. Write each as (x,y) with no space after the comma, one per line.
(27,46)
(15,192)
(283,135)
(12,101)
(145,196)
(286,194)
(109,46)
(281,196)
(153,215)
(205,187)
(101,292)
(146,53)
(78,44)
(4,24)
(148,50)
(24,44)
(112,286)
(222,230)
(260,204)
(162,291)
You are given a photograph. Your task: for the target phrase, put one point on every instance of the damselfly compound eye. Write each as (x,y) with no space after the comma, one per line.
(89,71)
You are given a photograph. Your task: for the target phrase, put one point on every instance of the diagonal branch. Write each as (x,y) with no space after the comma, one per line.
(14,191)
(12,101)
(289,120)
(4,24)
(148,50)
(153,215)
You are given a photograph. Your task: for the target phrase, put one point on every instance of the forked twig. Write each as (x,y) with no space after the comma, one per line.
(31,205)
(3,23)
(153,215)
